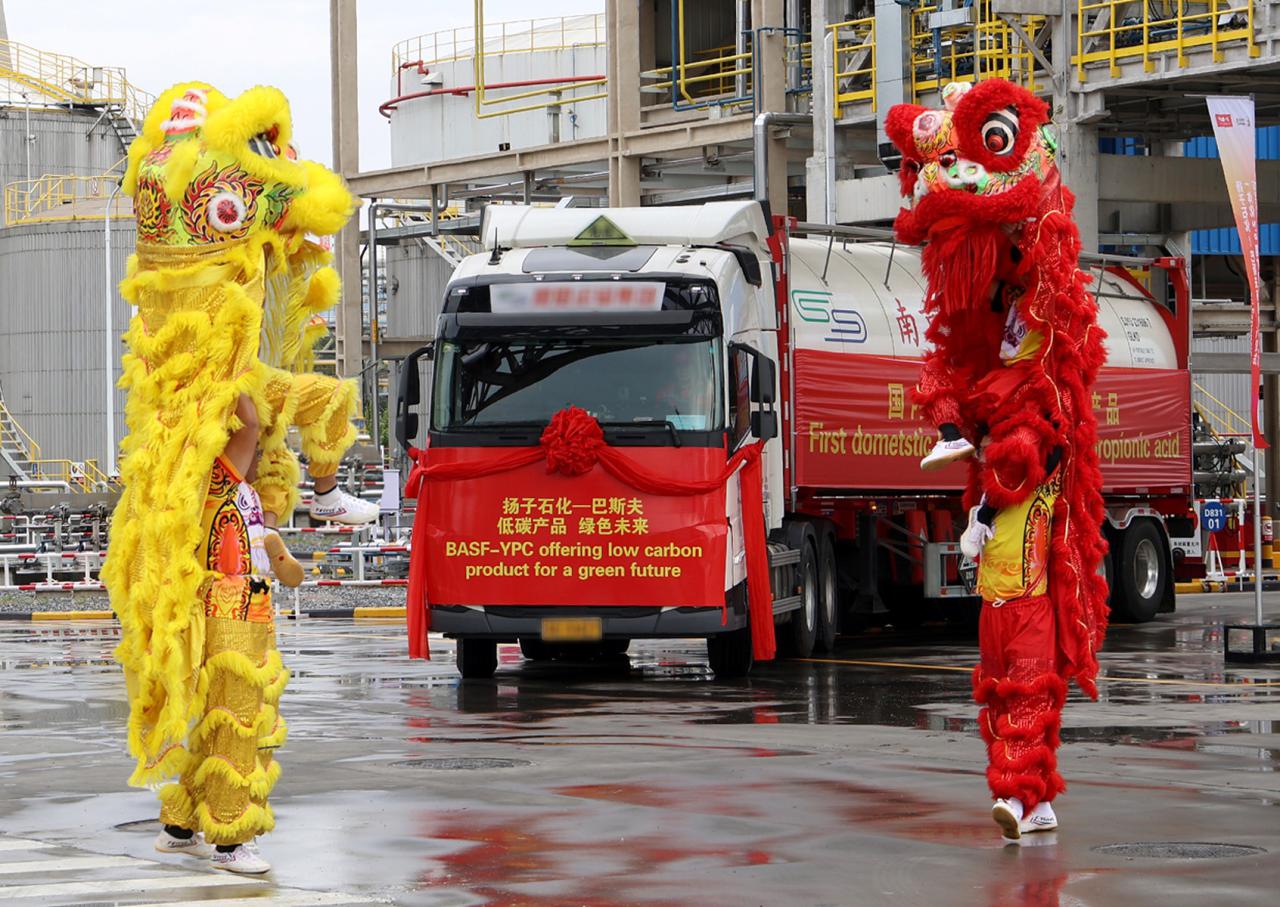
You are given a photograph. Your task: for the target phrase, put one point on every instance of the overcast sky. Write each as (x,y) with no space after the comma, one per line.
(234,44)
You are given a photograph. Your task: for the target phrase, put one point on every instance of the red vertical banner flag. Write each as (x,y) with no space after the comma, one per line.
(1234,129)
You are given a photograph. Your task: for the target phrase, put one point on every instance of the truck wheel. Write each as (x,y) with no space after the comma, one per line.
(534,649)
(477,658)
(802,630)
(1140,573)
(829,600)
(730,653)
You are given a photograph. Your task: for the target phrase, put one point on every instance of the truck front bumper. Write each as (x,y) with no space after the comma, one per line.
(510,622)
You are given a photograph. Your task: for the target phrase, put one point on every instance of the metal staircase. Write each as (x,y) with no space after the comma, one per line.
(1223,447)
(18,452)
(125,128)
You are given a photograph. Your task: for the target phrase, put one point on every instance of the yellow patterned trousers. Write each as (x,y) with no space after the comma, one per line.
(230,769)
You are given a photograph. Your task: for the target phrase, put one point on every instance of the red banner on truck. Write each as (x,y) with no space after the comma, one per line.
(856,426)
(526,537)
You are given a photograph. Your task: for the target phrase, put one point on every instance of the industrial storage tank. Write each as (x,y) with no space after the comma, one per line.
(872,302)
(436,112)
(54,354)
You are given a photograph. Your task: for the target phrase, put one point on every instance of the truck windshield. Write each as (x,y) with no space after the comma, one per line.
(487,384)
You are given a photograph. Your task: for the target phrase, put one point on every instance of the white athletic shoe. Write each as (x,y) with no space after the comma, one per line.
(194,846)
(1008,815)
(336,506)
(1041,818)
(975,536)
(945,452)
(241,860)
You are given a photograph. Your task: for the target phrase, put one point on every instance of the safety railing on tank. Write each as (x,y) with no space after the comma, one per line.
(78,475)
(982,47)
(59,197)
(855,63)
(517,36)
(1110,33)
(60,80)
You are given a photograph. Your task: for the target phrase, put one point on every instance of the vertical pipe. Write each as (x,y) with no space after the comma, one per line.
(27,137)
(1257,536)
(108,293)
(740,47)
(829,122)
(373,319)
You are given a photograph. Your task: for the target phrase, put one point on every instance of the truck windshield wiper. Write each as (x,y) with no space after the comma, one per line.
(649,423)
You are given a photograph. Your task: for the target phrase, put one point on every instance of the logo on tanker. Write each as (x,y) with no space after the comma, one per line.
(845,325)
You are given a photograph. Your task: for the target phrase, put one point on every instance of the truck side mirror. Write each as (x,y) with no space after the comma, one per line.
(764,374)
(410,395)
(764,424)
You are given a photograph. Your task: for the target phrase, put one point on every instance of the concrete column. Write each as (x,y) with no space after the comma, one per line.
(1077,138)
(817,167)
(346,161)
(893,60)
(622,26)
(772,93)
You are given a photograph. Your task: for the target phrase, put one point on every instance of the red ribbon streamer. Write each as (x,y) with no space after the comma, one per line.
(572,445)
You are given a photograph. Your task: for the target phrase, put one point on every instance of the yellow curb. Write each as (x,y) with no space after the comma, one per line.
(388,611)
(72,615)
(1196,586)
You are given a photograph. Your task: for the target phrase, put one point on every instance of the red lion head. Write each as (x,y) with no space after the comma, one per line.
(986,158)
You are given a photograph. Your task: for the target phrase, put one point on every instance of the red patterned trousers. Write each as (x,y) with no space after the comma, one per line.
(1018,683)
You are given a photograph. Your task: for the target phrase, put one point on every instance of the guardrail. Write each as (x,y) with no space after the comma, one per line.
(55,198)
(1110,33)
(983,47)
(516,36)
(855,63)
(64,81)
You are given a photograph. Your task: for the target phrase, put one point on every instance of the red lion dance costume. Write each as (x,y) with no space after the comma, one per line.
(1016,348)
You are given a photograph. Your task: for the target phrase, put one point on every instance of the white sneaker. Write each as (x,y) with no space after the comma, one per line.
(1008,815)
(1041,818)
(975,536)
(945,452)
(241,860)
(336,506)
(193,846)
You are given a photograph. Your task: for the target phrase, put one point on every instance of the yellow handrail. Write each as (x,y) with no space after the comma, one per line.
(555,89)
(1104,35)
(854,39)
(10,423)
(982,49)
(77,474)
(53,198)
(63,80)
(1224,421)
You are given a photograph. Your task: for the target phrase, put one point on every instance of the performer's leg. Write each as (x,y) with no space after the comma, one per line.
(278,472)
(1023,694)
(325,409)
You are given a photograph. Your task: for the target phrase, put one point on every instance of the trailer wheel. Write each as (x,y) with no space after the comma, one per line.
(829,586)
(1141,573)
(802,630)
(477,658)
(730,653)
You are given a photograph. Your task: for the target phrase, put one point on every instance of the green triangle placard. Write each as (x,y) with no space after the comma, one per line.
(602,232)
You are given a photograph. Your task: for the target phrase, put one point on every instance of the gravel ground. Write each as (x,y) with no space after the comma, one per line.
(329,597)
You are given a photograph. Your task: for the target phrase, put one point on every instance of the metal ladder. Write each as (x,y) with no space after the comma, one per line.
(14,449)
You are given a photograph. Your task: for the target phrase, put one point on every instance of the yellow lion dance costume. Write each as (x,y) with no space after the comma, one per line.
(226,285)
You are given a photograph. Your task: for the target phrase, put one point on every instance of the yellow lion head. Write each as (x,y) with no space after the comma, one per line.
(209,169)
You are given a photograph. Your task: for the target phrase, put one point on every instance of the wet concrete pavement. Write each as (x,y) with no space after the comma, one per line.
(848,780)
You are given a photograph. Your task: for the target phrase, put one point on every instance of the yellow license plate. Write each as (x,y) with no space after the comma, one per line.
(572,629)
